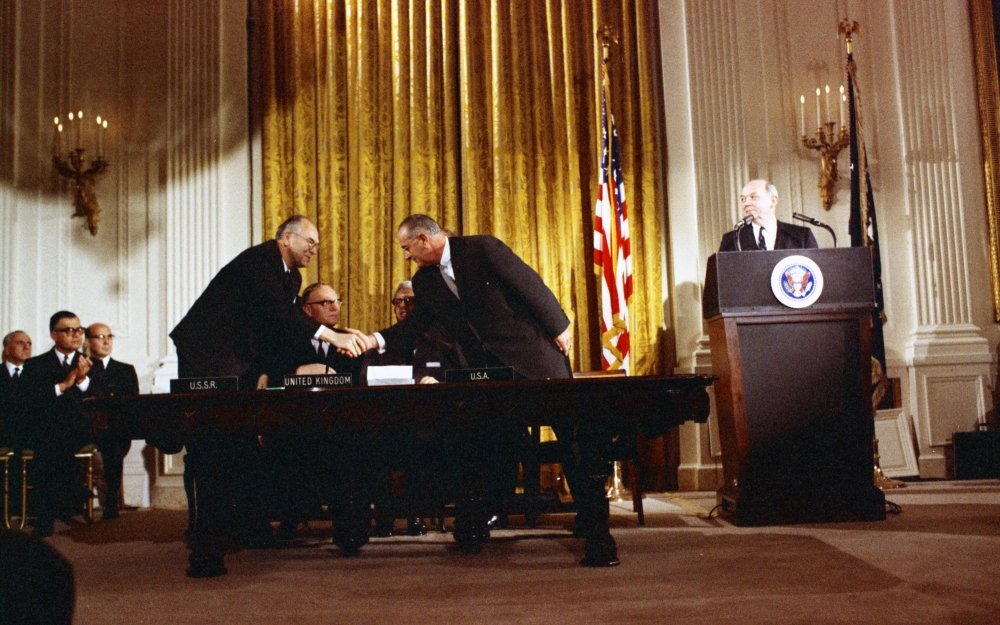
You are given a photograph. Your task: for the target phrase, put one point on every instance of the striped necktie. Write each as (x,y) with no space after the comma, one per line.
(761,243)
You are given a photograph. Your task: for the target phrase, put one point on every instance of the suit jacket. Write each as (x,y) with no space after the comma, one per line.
(504,307)
(50,422)
(285,356)
(788,237)
(244,302)
(118,378)
(433,347)
(11,404)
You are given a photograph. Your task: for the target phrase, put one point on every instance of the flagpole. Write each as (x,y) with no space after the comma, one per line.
(606,36)
(862,218)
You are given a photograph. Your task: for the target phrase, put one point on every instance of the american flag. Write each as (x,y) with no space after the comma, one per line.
(612,250)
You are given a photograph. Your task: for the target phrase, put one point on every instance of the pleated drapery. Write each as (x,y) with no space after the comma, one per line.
(480,113)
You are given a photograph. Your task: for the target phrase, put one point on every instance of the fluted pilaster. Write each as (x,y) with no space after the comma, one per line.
(947,355)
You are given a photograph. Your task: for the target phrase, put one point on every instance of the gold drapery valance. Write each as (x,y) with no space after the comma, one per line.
(482,114)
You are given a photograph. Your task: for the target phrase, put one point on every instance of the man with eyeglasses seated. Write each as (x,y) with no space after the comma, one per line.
(54,384)
(110,377)
(290,355)
(303,467)
(424,475)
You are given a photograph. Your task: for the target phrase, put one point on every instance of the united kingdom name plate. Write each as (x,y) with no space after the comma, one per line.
(319,381)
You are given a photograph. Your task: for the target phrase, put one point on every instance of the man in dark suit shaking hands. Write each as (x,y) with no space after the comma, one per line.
(488,299)
(759,199)
(225,334)
(500,313)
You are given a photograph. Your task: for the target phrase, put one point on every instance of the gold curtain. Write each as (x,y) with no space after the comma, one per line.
(482,114)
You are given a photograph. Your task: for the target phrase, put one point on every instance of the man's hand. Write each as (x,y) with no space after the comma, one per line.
(349,343)
(565,340)
(82,368)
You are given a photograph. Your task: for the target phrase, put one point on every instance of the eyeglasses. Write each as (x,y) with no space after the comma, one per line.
(326,303)
(310,242)
(101,337)
(69,331)
(399,301)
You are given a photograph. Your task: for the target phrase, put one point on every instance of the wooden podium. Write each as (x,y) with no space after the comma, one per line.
(793,387)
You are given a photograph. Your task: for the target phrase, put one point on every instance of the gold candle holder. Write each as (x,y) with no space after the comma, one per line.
(828,142)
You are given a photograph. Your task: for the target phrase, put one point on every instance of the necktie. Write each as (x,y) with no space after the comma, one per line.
(68,362)
(319,349)
(448,280)
(17,372)
(761,244)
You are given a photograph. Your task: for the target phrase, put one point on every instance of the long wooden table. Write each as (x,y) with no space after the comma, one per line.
(594,412)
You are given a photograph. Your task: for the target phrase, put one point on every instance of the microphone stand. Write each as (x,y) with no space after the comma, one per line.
(816,222)
(739,227)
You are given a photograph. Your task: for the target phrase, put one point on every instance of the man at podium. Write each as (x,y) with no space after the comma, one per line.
(758,200)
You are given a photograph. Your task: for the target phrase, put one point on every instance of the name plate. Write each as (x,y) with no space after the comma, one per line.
(486,374)
(316,381)
(201,385)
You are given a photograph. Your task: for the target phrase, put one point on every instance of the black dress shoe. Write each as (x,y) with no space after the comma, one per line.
(415,526)
(109,513)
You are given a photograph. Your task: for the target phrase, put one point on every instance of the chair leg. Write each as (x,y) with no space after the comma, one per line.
(24,493)
(633,485)
(88,459)
(6,491)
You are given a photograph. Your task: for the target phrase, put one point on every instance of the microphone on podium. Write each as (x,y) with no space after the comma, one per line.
(818,223)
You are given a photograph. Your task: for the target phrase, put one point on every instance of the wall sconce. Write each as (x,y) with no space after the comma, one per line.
(74,167)
(828,142)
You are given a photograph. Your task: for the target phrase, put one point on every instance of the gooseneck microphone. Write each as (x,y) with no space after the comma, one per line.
(816,222)
(743,223)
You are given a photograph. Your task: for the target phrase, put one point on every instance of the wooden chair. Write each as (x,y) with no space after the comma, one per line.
(541,452)
(86,457)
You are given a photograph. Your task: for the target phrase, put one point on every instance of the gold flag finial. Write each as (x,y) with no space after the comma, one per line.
(848,28)
(607,36)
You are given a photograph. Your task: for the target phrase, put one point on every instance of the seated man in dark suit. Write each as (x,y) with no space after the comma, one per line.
(434,353)
(425,477)
(54,384)
(110,377)
(303,465)
(759,199)
(16,349)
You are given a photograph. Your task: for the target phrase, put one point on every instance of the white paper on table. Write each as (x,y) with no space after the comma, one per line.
(390,374)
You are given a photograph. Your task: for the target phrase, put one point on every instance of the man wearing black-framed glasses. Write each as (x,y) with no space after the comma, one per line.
(53,426)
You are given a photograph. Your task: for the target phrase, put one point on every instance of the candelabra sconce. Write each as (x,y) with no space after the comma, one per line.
(828,142)
(73,165)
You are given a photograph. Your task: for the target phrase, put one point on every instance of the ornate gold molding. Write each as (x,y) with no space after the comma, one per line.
(988,96)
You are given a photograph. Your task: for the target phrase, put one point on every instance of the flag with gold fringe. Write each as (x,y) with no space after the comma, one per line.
(863,224)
